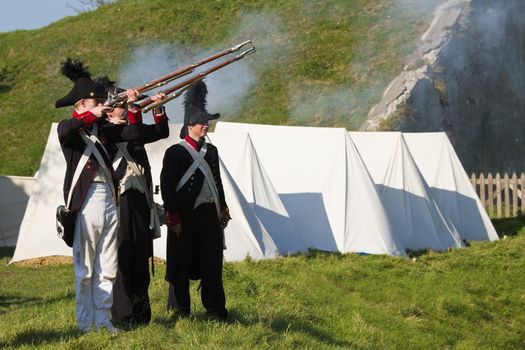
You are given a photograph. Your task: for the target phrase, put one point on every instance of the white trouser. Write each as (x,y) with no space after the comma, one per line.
(95,257)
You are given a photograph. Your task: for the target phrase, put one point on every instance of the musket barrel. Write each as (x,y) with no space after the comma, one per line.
(188,69)
(176,74)
(184,84)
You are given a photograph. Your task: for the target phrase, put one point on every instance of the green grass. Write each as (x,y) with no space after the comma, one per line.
(471,298)
(319,62)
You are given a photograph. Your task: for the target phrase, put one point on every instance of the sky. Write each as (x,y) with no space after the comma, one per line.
(33,14)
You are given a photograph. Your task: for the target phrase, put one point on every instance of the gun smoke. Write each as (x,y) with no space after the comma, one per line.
(310,104)
(227,87)
(347,104)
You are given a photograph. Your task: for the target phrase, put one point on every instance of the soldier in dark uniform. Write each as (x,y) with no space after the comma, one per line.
(94,197)
(196,212)
(131,306)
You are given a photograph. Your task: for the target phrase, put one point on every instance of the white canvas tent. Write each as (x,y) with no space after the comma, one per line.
(312,184)
(14,195)
(413,213)
(440,166)
(324,185)
(239,156)
(37,236)
(244,236)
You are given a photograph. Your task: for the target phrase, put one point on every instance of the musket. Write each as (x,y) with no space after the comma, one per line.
(177,90)
(119,99)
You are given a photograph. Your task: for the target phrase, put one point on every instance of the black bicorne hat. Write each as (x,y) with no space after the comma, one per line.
(195,107)
(84,86)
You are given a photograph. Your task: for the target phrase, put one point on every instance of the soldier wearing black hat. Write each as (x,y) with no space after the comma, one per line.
(91,193)
(131,305)
(196,211)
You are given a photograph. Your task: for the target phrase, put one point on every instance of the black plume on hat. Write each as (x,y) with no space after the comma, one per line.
(195,107)
(196,95)
(84,87)
(74,69)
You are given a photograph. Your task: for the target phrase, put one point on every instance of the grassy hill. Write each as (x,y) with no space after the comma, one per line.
(471,298)
(319,62)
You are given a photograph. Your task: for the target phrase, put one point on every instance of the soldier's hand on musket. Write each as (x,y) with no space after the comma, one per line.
(158,97)
(100,111)
(132,96)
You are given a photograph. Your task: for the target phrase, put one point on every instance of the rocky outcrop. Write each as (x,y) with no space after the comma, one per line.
(432,41)
(467,79)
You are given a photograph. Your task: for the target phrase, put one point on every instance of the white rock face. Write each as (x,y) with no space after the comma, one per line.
(433,40)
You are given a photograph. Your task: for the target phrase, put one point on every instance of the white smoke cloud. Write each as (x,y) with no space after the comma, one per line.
(315,106)
(348,104)
(227,87)
(267,33)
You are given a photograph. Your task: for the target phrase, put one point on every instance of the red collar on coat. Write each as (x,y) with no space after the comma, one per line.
(195,144)
(81,116)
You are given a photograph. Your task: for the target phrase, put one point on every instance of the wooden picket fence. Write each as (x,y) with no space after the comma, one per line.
(502,196)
